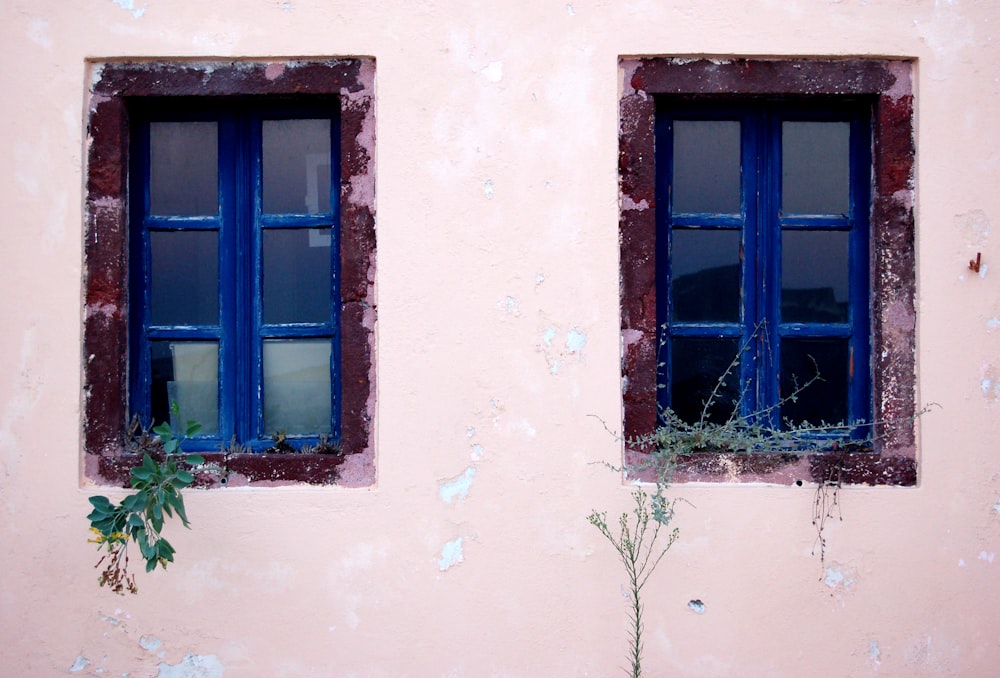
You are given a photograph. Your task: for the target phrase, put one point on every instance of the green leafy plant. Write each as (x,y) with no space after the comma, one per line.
(636,544)
(139,517)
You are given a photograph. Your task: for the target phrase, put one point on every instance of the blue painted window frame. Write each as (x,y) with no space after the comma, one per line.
(760,329)
(241,223)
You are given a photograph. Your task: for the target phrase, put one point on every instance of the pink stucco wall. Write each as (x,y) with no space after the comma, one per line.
(498,353)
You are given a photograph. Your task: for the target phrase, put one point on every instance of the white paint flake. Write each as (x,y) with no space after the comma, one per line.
(192,666)
(457,488)
(150,643)
(576,340)
(987,557)
(509,305)
(79,664)
(477,452)
(570,10)
(129,6)
(451,554)
(493,71)
(488,189)
(874,653)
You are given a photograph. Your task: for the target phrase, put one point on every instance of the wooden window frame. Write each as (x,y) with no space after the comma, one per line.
(887,84)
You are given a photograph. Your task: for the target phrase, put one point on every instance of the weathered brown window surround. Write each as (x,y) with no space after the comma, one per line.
(105,345)
(888,84)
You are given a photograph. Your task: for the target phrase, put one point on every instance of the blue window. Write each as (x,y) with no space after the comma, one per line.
(763,291)
(234,257)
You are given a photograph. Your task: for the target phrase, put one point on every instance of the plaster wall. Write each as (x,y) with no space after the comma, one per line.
(498,356)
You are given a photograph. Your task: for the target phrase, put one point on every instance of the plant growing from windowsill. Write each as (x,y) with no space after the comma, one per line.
(638,552)
(139,517)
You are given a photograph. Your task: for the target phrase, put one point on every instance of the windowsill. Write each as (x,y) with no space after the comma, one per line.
(862,467)
(233,470)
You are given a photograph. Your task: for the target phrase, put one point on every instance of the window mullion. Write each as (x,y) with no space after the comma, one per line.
(229,280)
(768,225)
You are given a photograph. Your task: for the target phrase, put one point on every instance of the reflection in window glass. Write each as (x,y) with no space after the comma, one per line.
(816,371)
(706,166)
(815,167)
(814,276)
(297,275)
(185,373)
(297,386)
(296,166)
(185,277)
(184,160)
(705,275)
(697,366)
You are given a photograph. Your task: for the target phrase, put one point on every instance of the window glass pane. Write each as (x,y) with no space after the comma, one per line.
(296,166)
(814,276)
(297,386)
(696,367)
(185,373)
(705,275)
(815,167)
(706,166)
(183,168)
(184,278)
(297,279)
(825,362)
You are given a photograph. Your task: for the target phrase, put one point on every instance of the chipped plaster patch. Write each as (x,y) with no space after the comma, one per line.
(79,664)
(696,606)
(129,6)
(839,578)
(493,71)
(576,340)
(192,666)
(574,344)
(477,452)
(989,382)
(150,643)
(451,554)
(488,189)
(509,305)
(987,557)
(874,653)
(457,488)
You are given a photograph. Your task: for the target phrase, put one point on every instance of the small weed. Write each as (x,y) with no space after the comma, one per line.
(638,552)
